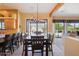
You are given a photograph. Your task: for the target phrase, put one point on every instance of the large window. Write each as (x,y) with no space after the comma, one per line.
(2,25)
(42,27)
(77,26)
(35,26)
(59,28)
(70,27)
(32,27)
(66,26)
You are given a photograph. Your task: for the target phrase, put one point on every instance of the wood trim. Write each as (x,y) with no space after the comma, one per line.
(66,17)
(9,10)
(55,8)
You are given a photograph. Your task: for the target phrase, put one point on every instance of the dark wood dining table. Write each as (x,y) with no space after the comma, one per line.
(28,41)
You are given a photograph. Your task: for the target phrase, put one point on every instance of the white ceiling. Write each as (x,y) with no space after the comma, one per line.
(68,9)
(30,7)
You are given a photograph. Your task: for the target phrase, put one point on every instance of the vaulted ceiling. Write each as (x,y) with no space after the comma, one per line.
(68,9)
(30,7)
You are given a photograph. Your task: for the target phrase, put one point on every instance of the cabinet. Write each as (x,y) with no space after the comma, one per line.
(8,20)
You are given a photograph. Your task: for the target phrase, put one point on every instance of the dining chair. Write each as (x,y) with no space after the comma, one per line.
(18,39)
(7,45)
(51,38)
(24,43)
(37,44)
(14,41)
(21,38)
(2,46)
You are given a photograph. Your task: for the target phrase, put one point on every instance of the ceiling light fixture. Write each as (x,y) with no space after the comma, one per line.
(37,12)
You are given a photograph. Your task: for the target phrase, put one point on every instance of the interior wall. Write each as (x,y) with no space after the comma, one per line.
(9,23)
(50,24)
(20,23)
(25,16)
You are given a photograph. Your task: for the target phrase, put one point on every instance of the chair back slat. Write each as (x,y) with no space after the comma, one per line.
(52,39)
(37,42)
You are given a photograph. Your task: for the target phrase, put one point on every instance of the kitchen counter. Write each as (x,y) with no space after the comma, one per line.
(73,38)
(71,46)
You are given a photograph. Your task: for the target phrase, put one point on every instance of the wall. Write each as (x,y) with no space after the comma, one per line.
(19,18)
(50,24)
(9,23)
(25,16)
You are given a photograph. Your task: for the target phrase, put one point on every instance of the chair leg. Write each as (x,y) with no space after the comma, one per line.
(23,52)
(3,51)
(52,50)
(49,48)
(10,50)
(42,52)
(32,52)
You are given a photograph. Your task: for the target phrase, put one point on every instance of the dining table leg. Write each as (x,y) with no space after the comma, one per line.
(26,50)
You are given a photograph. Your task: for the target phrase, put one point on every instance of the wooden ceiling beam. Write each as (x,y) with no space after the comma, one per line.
(55,8)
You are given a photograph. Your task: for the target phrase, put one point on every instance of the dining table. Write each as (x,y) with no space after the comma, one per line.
(28,40)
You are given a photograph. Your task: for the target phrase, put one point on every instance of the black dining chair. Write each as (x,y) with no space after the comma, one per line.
(21,38)
(18,39)
(24,43)
(7,45)
(2,47)
(37,44)
(14,41)
(51,38)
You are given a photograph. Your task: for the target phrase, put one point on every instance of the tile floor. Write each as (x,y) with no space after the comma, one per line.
(57,49)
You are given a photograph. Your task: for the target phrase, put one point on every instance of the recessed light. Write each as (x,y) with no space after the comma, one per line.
(62,11)
(31,7)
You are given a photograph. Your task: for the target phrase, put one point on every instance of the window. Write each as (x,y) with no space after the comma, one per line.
(59,29)
(77,26)
(70,27)
(33,27)
(36,26)
(2,25)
